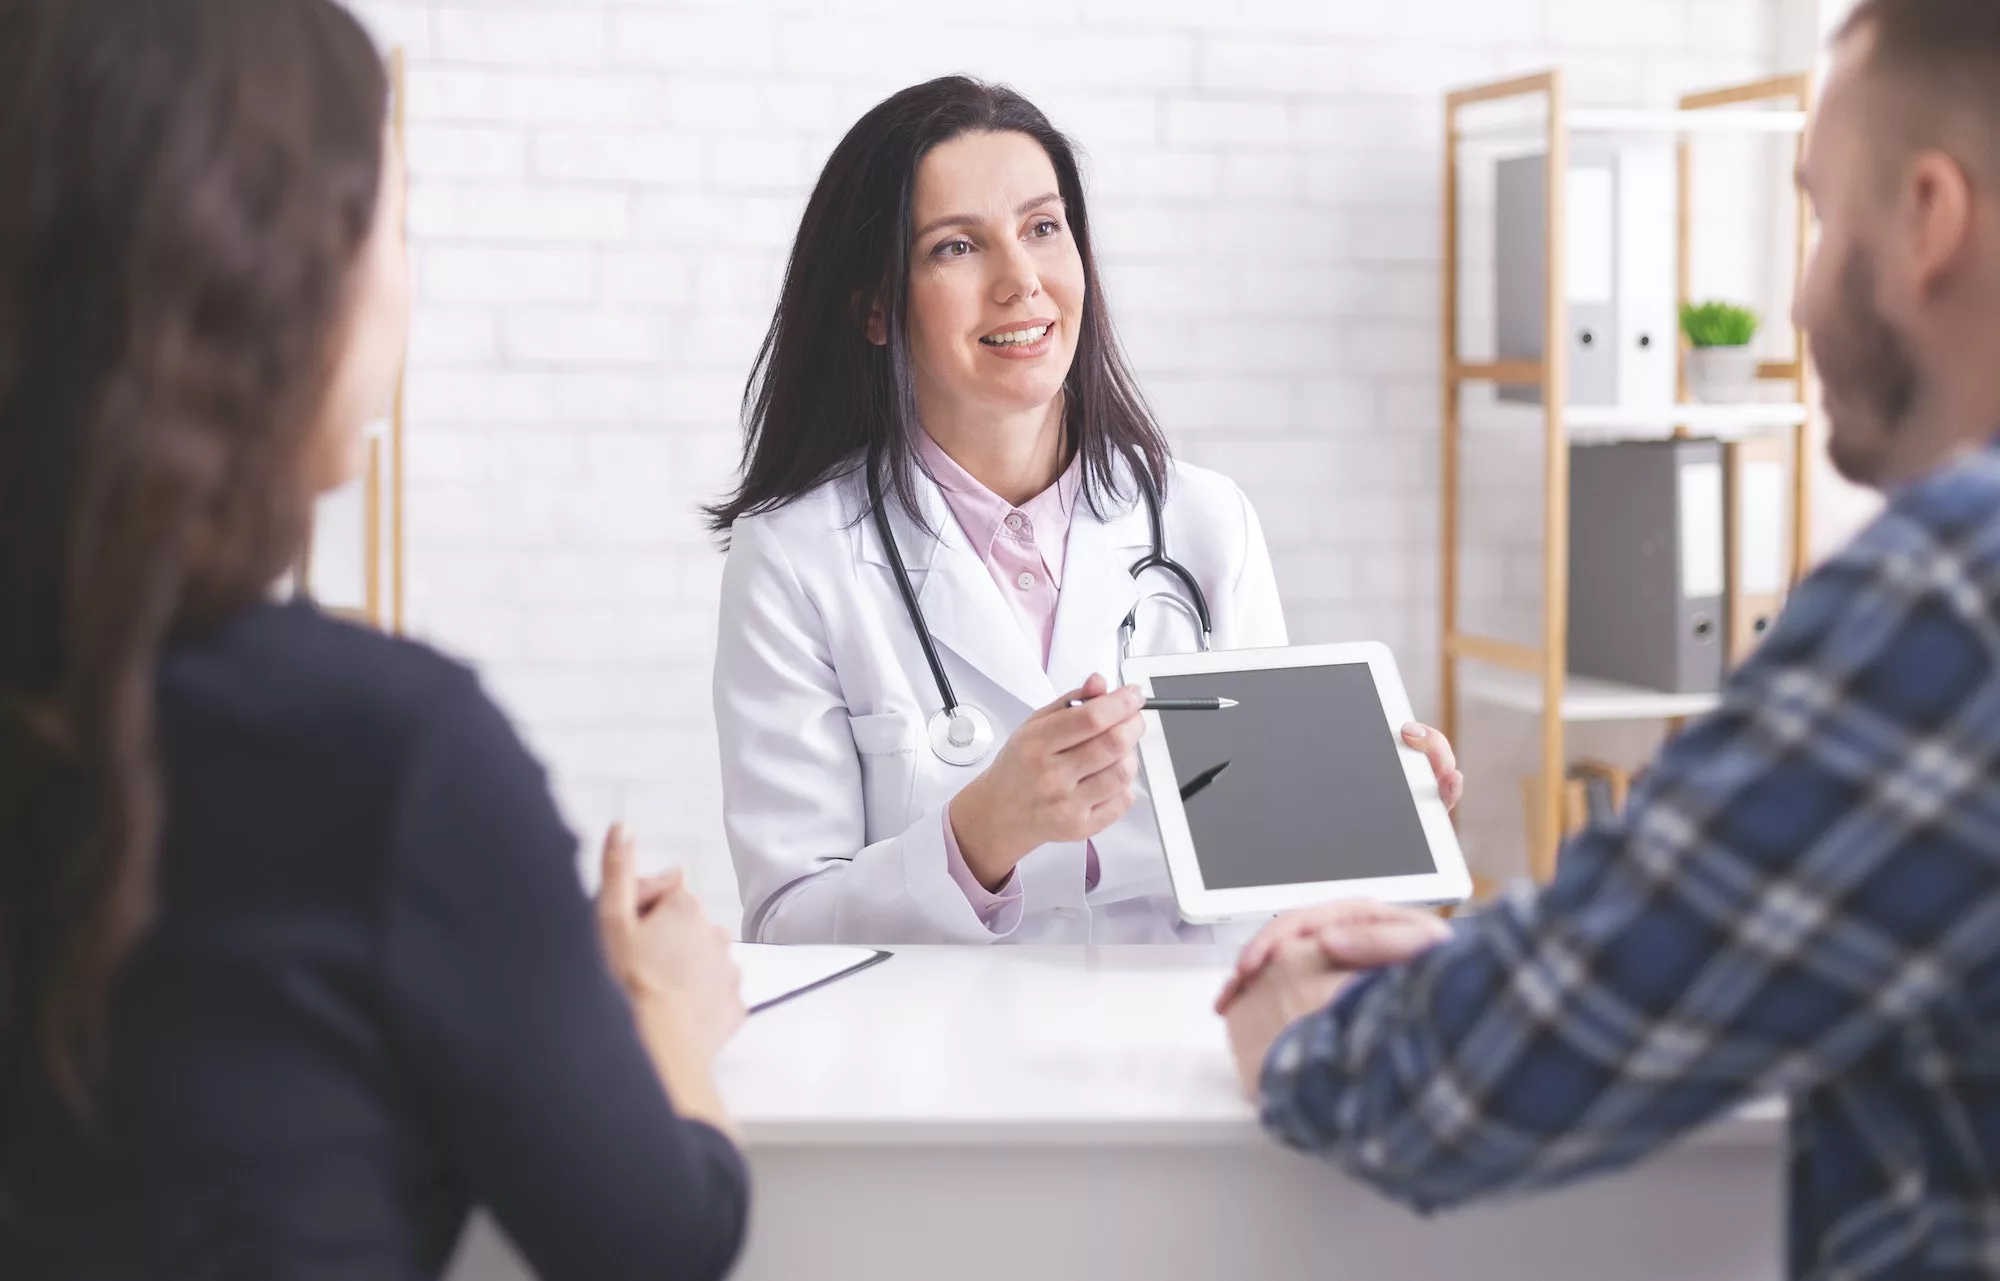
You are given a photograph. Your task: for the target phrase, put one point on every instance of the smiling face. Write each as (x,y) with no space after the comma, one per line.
(997,288)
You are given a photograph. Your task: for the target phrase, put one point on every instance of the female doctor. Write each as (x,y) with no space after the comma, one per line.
(944,535)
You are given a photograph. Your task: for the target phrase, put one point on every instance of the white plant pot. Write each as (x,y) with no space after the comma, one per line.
(1722,375)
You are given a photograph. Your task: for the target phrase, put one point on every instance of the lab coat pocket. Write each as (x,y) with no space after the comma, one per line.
(887,744)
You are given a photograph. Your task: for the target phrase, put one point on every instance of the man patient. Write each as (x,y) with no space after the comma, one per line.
(1803,896)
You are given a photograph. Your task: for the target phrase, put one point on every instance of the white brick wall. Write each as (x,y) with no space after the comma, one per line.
(604,192)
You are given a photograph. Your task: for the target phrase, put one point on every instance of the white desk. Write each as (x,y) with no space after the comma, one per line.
(965,1113)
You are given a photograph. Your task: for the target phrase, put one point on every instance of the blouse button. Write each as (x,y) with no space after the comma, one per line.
(1025,581)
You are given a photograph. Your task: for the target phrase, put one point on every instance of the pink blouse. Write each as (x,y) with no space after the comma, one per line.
(1023,549)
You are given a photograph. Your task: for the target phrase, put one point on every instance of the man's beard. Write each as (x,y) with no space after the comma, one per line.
(1870,378)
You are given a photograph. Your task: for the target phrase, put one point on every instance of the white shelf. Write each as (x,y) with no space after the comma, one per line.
(1636,123)
(1648,422)
(1600,424)
(1714,120)
(1584,699)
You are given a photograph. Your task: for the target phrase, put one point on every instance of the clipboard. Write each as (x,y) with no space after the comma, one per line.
(774,973)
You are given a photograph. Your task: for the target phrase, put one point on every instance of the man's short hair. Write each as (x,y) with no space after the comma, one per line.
(1939,61)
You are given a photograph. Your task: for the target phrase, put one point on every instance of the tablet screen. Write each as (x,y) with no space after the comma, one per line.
(1309,788)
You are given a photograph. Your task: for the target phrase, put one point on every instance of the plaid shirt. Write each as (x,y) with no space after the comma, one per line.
(1802,898)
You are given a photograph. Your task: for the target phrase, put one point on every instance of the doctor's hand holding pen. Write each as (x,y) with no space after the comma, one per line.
(1065,775)
(674,965)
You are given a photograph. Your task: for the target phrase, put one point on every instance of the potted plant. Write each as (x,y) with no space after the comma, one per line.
(1721,367)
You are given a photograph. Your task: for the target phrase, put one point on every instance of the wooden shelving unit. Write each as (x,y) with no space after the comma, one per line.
(1535,679)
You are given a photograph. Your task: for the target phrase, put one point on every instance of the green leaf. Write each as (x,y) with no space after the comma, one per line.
(1718,324)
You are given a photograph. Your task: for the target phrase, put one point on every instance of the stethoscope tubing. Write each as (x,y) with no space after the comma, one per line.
(908,593)
(960,744)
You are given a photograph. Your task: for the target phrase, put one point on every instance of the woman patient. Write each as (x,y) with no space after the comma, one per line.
(294,965)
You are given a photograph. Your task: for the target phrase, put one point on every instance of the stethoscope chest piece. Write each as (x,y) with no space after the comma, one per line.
(961,735)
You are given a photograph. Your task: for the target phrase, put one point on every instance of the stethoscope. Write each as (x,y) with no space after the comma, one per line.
(960,733)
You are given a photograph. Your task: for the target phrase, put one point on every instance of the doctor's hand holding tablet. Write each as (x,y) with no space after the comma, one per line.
(955,506)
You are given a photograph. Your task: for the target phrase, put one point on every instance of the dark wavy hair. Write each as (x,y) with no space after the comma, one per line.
(822,398)
(185,188)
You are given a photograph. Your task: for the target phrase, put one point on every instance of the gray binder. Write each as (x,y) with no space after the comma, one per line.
(1646,564)
(1618,273)
(1589,270)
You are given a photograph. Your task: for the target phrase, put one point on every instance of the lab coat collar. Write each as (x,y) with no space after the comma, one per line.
(962,604)
(967,615)
(1098,590)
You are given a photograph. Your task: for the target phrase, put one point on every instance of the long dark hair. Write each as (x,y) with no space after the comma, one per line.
(185,187)
(821,397)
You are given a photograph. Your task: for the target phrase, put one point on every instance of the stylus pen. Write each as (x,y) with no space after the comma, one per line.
(1178,704)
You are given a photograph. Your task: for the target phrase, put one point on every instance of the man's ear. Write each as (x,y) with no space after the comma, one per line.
(1938,231)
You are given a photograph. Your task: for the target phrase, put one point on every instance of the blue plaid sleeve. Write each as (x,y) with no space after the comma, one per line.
(1796,876)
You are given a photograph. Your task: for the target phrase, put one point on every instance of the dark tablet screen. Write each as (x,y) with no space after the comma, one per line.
(1300,782)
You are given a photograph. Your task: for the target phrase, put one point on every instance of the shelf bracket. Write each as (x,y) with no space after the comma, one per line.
(1484,649)
(1512,373)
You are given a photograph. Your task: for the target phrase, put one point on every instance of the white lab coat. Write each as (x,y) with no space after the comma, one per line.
(832,798)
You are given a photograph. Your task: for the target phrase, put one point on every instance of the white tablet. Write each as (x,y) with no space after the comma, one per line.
(1301,793)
